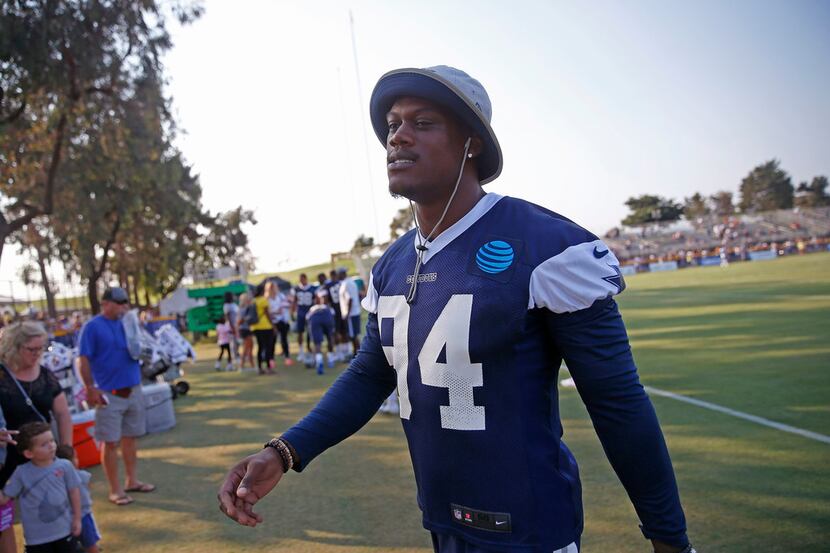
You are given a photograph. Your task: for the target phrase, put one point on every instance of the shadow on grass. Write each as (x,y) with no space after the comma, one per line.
(360,494)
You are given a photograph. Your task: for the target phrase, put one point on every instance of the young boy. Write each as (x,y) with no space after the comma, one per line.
(89,531)
(47,491)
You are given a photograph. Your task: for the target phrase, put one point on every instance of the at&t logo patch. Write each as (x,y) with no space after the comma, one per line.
(495,257)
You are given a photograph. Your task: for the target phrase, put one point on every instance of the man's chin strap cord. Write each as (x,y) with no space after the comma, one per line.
(423,244)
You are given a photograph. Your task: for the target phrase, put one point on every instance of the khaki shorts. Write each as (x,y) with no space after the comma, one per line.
(123,417)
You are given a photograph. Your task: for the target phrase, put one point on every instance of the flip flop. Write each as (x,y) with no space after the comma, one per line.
(144,487)
(121,500)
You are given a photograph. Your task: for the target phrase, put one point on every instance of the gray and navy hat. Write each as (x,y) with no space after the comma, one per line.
(454,90)
(116,295)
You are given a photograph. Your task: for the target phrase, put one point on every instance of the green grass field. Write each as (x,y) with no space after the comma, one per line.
(753,337)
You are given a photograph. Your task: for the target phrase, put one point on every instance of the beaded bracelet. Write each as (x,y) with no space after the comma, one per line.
(284,451)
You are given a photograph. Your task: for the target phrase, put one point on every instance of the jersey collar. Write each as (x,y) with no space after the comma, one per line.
(457,229)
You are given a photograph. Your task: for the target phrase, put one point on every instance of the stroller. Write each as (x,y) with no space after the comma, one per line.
(161,358)
(60,360)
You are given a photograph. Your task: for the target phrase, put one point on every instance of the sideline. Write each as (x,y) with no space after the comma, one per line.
(746,416)
(569,383)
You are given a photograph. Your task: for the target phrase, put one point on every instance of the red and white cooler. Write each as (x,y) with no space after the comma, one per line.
(83,438)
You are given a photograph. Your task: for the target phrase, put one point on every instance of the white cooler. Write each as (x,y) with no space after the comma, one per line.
(158,401)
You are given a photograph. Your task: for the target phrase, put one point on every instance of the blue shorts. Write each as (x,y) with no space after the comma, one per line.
(354,326)
(320,327)
(301,313)
(89,532)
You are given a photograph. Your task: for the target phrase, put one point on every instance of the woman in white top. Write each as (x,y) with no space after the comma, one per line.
(279,310)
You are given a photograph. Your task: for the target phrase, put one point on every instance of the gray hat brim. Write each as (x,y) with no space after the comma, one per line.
(426,84)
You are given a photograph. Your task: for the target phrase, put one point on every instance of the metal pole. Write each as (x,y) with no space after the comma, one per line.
(363,126)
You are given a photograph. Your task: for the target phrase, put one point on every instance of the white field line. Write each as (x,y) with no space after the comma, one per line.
(752,418)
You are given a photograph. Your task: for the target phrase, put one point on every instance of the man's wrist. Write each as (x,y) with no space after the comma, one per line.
(284,451)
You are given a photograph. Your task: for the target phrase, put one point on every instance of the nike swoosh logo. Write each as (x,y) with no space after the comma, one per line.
(599,254)
(500,522)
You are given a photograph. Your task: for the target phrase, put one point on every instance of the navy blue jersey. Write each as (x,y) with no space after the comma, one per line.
(304,296)
(333,287)
(504,295)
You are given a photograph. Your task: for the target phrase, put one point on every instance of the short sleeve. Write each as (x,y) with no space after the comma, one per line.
(14,485)
(575,278)
(53,386)
(87,341)
(70,475)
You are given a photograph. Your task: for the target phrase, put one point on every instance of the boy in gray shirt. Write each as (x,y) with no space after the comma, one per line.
(47,491)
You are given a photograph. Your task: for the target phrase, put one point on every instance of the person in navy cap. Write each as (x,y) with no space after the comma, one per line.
(112,380)
(471,314)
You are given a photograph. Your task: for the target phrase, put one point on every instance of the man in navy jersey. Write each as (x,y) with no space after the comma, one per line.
(339,326)
(470,316)
(303,299)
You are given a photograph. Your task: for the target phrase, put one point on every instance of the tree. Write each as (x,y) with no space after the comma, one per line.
(695,207)
(722,205)
(109,179)
(401,223)
(58,59)
(363,242)
(225,241)
(648,209)
(766,188)
(35,238)
(813,194)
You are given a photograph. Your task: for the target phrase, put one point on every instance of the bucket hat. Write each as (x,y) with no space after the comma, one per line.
(454,90)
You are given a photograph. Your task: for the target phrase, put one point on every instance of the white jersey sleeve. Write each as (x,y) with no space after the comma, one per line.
(575,278)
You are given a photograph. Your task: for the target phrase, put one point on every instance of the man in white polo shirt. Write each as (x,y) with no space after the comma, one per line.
(350,307)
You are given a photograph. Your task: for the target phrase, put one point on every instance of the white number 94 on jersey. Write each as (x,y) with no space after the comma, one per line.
(451,331)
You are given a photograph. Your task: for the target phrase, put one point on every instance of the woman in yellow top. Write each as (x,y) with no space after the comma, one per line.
(264,334)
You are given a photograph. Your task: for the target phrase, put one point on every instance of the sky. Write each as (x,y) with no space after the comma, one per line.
(592,103)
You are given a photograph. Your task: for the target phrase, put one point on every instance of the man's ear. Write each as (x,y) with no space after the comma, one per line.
(476,146)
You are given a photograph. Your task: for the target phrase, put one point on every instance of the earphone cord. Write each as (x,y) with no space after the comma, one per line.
(422,244)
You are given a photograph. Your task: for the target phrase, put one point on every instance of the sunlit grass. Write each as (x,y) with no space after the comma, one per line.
(753,337)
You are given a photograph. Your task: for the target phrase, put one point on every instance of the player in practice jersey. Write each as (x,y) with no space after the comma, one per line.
(470,316)
(302,297)
(321,325)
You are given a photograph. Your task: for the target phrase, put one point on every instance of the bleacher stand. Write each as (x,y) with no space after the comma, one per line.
(732,238)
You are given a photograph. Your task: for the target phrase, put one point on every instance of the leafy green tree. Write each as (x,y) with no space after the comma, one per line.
(58,61)
(766,188)
(401,223)
(813,194)
(362,242)
(695,207)
(722,204)
(647,209)
(225,241)
(36,240)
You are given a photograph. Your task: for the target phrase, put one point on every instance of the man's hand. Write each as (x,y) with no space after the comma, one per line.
(247,482)
(76,527)
(94,396)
